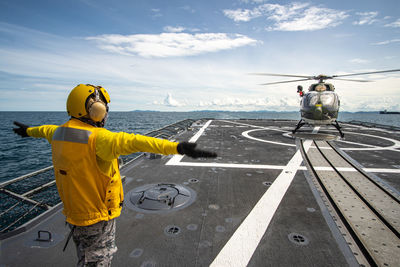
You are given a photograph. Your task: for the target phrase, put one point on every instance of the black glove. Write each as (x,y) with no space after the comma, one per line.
(190,150)
(21,130)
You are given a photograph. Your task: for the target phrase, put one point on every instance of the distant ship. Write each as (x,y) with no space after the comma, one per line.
(389,112)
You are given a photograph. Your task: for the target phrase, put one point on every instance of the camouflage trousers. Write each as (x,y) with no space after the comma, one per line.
(95,244)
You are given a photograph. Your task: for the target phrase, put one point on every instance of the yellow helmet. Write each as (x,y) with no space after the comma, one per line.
(76,102)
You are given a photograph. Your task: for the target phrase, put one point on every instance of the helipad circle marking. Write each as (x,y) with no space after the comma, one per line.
(396,144)
(246,134)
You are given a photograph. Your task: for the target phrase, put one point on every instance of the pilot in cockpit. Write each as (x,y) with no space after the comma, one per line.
(320,88)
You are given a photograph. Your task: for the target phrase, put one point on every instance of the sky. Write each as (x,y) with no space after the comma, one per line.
(180,55)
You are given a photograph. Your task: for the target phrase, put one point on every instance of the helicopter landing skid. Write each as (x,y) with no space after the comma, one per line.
(337,126)
(299,125)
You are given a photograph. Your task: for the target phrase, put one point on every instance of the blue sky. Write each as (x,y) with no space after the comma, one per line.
(195,55)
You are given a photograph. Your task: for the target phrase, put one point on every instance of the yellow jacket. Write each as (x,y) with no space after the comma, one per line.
(86,167)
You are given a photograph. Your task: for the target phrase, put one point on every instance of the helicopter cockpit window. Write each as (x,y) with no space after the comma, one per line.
(312,99)
(330,87)
(320,88)
(327,99)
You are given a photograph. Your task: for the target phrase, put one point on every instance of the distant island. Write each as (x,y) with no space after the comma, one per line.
(389,112)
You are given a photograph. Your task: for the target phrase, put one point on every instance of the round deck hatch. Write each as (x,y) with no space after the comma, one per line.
(156,198)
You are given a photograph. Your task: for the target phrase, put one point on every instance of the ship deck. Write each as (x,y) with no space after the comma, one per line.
(259,203)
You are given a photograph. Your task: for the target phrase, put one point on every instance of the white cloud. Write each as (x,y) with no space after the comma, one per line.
(156,13)
(390,104)
(311,19)
(395,24)
(171,102)
(387,42)
(188,8)
(366,18)
(242,14)
(359,61)
(291,17)
(273,103)
(243,103)
(253,1)
(173,29)
(170,44)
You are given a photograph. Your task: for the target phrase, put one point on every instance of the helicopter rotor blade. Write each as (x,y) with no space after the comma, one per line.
(282,75)
(287,81)
(364,73)
(363,81)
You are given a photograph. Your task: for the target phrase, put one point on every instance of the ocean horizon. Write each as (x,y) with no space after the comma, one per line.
(20,156)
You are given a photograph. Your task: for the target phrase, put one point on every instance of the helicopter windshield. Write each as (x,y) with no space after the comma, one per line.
(312,99)
(320,88)
(327,99)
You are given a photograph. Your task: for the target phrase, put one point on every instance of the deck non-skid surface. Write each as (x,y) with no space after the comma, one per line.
(254,205)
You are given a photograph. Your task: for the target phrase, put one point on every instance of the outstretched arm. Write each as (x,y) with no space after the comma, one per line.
(44,131)
(111,145)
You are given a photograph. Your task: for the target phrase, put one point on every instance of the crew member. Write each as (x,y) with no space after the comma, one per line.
(85,158)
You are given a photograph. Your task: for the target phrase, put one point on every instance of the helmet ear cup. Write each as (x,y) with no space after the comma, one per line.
(97,111)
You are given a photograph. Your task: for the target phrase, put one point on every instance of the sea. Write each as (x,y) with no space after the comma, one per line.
(20,156)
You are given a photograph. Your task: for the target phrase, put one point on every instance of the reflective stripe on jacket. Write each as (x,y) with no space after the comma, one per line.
(89,195)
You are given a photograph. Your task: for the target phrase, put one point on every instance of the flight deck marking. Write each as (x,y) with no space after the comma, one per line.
(246,134)
(240,247)
(176,159)
(394,147)
(200,132)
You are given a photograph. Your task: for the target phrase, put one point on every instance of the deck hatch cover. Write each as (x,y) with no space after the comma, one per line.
(163,197)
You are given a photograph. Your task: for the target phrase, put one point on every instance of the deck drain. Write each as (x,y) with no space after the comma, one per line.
(160,198)
(267,183)
(229,220)
(136,253)
(192,227)
(205,244)
(172,230)
(298,239)
(193,180)
(220,229)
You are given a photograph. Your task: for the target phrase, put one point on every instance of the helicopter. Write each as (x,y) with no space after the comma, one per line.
(320,105)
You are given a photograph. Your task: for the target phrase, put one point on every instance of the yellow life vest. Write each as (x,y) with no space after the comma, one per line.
(88,194)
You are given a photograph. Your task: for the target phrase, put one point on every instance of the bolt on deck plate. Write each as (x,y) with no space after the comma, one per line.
(160,198)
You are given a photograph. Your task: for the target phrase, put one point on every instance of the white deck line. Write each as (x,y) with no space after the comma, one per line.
(175,161)
(224,165)
(242,244)
(200,132)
